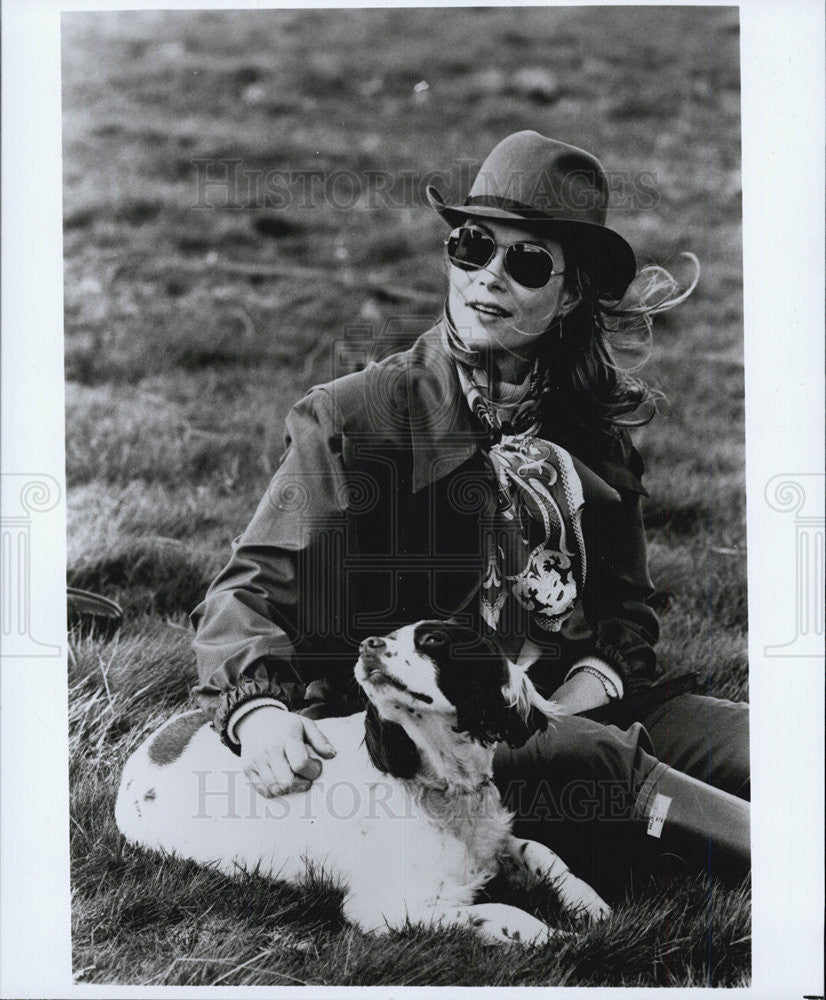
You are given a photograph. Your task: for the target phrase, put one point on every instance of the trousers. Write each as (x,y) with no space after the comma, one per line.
(577,786)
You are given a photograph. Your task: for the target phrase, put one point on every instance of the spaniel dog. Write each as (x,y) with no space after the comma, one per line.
(406,813)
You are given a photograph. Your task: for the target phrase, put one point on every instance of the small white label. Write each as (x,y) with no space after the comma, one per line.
(659,810)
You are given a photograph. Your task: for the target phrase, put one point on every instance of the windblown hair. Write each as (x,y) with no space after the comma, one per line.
(580,349)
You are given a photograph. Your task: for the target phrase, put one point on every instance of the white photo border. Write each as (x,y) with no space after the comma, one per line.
(783,171)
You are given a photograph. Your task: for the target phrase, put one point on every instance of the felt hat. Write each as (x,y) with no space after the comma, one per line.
(553,188)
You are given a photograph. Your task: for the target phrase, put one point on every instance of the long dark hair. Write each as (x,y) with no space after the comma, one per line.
(580,350)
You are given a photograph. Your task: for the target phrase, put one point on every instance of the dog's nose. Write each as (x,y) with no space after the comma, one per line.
(372,644)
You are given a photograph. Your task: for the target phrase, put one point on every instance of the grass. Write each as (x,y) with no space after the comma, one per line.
(195,316)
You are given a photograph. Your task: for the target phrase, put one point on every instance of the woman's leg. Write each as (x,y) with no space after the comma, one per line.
(574,788)
(601,799)
(707,738)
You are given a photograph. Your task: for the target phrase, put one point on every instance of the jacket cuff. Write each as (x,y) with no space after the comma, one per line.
(610,654)
(231,701)
(240,711)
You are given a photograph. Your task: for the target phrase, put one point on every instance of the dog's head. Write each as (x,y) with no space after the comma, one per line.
(434,688)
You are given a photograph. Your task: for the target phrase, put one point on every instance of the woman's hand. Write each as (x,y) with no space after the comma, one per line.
(275,747)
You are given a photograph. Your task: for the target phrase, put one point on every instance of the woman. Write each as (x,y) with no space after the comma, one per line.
(486,474)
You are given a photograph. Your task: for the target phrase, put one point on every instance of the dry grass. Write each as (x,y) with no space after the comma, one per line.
(190,331)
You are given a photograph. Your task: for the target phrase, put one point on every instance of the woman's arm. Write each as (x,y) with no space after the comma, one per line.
(257,616)
(580,693)
(618,587)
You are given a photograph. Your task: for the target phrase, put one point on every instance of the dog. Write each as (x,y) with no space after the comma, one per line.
(406,814)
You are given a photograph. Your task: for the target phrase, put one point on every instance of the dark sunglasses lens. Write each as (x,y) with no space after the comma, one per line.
(469,248)
(530,265)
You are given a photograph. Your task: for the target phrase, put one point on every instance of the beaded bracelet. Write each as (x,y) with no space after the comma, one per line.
(609,686)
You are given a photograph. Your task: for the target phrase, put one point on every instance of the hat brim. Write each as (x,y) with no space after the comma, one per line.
(603,253)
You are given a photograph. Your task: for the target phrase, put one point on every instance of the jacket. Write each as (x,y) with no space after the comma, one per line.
(374,519)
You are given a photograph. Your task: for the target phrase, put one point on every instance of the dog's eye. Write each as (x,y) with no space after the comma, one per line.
(433,639)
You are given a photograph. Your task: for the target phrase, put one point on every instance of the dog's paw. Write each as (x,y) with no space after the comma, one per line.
(577,897)
(580,900)
(499,923)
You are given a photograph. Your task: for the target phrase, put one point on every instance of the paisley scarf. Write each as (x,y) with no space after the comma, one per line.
(534,548)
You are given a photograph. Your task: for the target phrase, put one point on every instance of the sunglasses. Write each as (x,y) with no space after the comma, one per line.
(528,264)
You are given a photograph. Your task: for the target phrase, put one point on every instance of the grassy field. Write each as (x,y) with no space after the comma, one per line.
(198,311)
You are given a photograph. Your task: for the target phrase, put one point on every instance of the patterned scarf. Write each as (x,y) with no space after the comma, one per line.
(534,549)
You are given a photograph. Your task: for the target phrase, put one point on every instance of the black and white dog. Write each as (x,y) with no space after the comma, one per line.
(406,814)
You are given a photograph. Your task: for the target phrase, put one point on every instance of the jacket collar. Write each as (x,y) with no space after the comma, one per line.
(445,433)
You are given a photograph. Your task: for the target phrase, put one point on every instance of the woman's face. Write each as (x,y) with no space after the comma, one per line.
(492,310)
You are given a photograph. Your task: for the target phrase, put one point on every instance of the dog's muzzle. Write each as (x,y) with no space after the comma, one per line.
(373,645)
(369,666)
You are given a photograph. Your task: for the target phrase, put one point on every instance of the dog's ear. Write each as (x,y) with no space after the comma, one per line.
(389,747)
(518,729)
(527,711)
(471,673)
(494,698)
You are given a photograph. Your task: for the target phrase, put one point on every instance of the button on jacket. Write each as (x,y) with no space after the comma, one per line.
(375,519)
